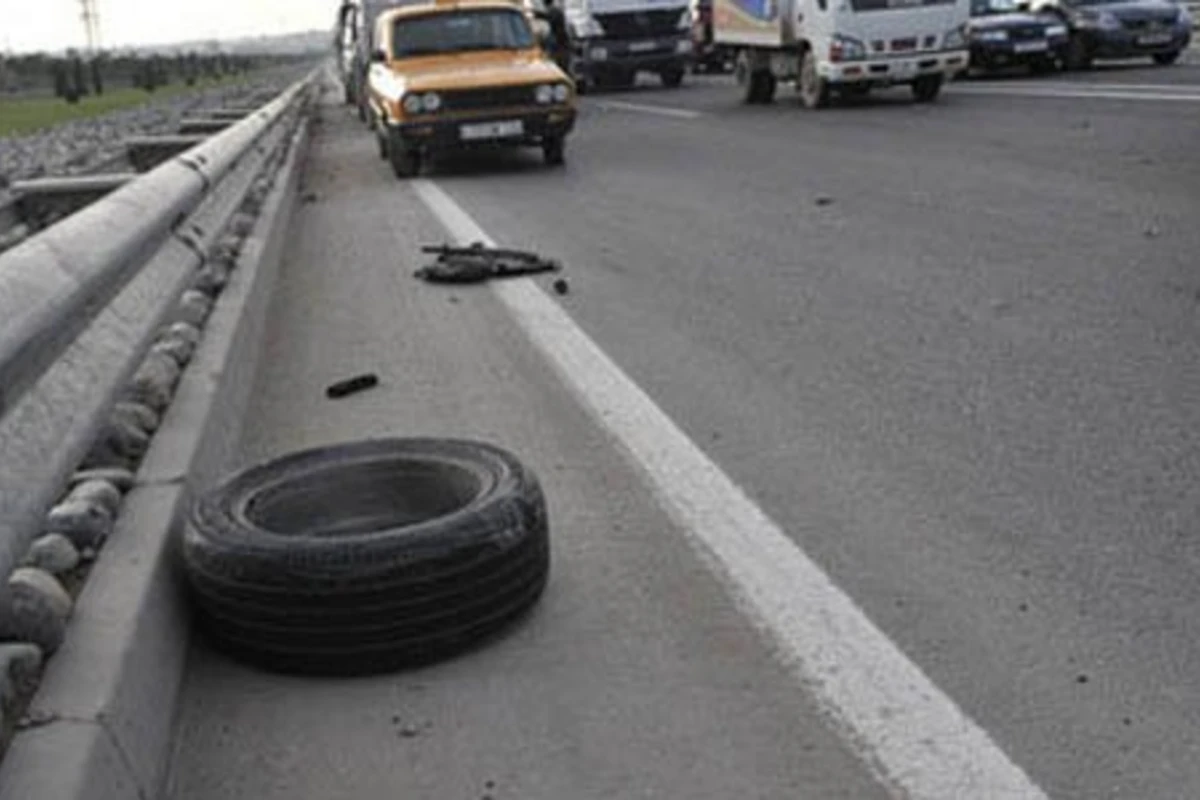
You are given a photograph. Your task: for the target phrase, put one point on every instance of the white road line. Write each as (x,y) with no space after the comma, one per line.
(914,736)
(1080,86)
(662,111)
(1076,95)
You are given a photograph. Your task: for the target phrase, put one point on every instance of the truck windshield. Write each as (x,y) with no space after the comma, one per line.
(486,29)
(884,5)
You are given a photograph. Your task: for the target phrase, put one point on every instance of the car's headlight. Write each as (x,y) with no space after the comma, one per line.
(988,36)
(1053,31)
(1185,17)
(685,20)
(598,54)
(956,39)
(412,104)
(431,101)
(561,93)
(544,94)
(846,48)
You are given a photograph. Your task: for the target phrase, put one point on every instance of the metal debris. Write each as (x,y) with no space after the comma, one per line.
(478,263)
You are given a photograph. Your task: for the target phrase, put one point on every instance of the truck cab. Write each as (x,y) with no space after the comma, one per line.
(613,40)
(843,47)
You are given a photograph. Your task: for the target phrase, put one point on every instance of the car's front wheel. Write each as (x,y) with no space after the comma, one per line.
(1166,59)
(406,162)
(1078,55)
(926,88)
(672,78)
(554,151)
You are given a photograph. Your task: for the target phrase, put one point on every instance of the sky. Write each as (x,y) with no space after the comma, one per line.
(27,25)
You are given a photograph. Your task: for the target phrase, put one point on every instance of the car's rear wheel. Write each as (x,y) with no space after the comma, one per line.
(1166,59)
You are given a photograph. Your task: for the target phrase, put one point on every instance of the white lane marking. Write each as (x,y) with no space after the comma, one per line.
(662,111)
(1176,88)
(912,734)
(1077,95)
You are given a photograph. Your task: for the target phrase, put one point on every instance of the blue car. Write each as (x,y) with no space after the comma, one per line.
(1001,34)
(1115,29)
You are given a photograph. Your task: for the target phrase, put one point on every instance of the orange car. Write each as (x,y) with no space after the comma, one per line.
(453,74)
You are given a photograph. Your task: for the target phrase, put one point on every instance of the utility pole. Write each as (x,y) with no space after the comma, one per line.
(91,25)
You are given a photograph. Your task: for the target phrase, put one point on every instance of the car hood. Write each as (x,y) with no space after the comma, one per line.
(1139,10)
(1017,19)
(475,71)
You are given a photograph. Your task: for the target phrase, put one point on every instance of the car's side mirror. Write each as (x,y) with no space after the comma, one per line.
(378,57)
(1024,5)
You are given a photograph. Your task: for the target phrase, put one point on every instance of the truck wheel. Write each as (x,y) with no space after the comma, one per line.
(406,162)
(926,88)
(814,90)
(672,78)
(367,556)
(554,151)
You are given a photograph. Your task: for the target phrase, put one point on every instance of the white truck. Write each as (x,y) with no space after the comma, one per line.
(843,47)
(613,40)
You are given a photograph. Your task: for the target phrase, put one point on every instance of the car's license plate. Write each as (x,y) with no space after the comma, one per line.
(643,47)
(1030,47)
(1154,38)
(903,69)
(492,130)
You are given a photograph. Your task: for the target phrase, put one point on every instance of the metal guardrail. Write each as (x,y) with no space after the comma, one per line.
(81,302)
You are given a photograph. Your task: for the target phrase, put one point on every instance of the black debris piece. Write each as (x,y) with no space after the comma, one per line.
(824,200)
(478,263)
(352,385)
(561,286)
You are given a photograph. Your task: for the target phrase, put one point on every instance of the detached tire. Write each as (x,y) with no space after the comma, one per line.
(365,557)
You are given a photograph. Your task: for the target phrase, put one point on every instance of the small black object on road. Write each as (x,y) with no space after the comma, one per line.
(352,385)
(479,263)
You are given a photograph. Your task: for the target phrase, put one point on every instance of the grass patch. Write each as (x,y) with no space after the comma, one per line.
(22,115)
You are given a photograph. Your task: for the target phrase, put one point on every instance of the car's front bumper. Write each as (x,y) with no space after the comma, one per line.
(1125,43)
(988,54)
(896,69)
(500,127)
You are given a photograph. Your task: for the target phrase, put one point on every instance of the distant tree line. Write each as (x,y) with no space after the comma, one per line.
(74,76)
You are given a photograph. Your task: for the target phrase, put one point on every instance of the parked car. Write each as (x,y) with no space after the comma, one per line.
(456,74)
(1112,29)
(1001,35)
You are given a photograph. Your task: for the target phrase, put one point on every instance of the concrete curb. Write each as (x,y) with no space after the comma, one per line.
(108,697)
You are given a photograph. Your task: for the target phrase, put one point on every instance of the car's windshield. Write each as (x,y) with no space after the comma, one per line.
(485,29)
(982,8)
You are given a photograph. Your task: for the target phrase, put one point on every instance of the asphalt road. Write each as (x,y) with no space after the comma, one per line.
(951,350)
